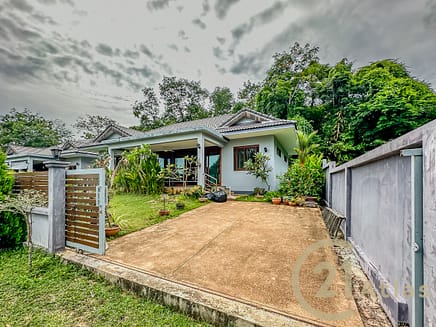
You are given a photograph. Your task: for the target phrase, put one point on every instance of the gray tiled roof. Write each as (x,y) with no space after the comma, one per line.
(129,131)
(27,150)
(254,126)
(212,123)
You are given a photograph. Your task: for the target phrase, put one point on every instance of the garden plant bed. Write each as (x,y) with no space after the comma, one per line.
(59,294)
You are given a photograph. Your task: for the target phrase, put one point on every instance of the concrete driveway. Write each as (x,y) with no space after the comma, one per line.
(246,251)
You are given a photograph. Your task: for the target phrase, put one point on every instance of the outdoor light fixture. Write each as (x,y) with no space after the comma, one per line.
(198,146)
(265,149)
(56,152)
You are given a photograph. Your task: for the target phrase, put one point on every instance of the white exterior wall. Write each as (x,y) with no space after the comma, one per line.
(240,181)
(281,166)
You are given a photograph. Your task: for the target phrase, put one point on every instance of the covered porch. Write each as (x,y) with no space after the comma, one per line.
(173,149)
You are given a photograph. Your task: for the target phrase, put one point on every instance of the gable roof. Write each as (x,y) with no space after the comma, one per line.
(121,130)
(27,150)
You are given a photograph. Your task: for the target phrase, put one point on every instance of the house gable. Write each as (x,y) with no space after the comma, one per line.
(112,132)
(247,117)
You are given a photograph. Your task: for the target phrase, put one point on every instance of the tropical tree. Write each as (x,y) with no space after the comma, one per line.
(31,129)
(148,110)
(183,100)
(90,126)
(222,101)
(306,146)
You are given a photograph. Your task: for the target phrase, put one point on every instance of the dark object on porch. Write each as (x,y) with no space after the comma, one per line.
(218,196)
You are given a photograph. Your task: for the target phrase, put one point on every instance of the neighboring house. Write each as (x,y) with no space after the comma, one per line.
(221,145)
(23,158)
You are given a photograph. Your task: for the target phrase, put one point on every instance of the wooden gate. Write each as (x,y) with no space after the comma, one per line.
(85,205)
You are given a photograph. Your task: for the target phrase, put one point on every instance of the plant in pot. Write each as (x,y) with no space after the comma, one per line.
(180,205)
(292,201)
(114,223)
(274,196)
(259,168)
(164,211)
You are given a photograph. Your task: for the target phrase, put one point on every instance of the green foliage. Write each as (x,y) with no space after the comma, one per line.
(306,146)
(147,110)
(259,168)
(222,101)
(92,125)
(60,294)
(12,225)
(184,100)
(304,179)
(272,194)
(31,129)
(138,172)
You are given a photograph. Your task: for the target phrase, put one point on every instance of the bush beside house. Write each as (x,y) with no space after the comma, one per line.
(12,225)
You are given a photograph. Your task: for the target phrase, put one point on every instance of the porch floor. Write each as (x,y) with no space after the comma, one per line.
(246,251)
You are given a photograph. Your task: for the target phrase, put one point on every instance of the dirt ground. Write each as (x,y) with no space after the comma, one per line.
(255,252)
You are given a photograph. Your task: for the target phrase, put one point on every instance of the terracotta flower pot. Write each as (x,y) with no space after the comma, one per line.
(276,200)
(292,204)
(202,199)
(111,231)
(163,212)
(310,198)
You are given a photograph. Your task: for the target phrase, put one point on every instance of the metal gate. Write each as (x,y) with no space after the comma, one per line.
(85,205)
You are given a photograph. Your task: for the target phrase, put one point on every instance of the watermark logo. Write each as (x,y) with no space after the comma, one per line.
(325,291)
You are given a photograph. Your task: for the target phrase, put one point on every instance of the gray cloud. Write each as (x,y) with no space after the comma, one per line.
(21,5)
(199,23)
(262,18)
(106,50)
(173,46)
(16,31)
(143,48)
(206,7)
(218,53)
(41,18)
(430,17)
(47,2)
(223,6)
(131,54)
(158,4)
(221,40)
(248,64)
(182,35)
(187,49)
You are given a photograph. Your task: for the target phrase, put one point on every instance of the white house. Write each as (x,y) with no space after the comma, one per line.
(221,145)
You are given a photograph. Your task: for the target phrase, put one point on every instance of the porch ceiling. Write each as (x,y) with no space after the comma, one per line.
(176,145)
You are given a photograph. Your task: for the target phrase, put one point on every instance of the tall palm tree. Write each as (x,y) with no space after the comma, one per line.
(306,145)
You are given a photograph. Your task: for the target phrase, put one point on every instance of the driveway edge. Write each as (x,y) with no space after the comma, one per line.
(199,304)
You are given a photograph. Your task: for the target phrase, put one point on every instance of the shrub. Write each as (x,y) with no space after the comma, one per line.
(139,172)
(304,179)
(259,168)
(12,225)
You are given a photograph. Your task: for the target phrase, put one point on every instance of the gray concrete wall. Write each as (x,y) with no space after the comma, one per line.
(338,192)
(375,197)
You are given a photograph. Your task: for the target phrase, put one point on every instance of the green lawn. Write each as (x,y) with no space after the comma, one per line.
(57,294)
(251,198)
(139,211)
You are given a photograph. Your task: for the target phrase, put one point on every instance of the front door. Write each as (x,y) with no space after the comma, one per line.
(213,164)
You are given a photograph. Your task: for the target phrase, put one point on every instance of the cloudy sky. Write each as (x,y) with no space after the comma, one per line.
(65,58)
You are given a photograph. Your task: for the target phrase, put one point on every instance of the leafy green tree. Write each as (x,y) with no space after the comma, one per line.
(148,110)
(183,100)
(306,146)
(258,167)
(247,95)
(31,129)
(222,101)
(91,126)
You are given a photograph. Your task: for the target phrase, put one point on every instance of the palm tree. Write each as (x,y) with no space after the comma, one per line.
(306,145)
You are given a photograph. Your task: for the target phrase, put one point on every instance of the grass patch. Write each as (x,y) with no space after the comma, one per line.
(139,211)
(57,294)
(251,198)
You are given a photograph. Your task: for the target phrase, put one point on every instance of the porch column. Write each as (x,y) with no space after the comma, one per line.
(112,160)
(200,160)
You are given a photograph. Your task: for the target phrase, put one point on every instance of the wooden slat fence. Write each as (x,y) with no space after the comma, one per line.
(37,180)
(82,210)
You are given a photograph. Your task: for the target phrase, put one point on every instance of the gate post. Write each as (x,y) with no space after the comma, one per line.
(56,204)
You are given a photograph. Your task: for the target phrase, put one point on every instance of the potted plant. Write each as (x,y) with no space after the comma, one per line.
(114,224)
(164,211)
(203,199)
(292,202)
(274,196)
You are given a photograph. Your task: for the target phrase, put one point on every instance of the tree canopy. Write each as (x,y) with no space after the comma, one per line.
(31,129)
(91,126)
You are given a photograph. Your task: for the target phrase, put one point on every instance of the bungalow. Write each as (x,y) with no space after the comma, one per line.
(221,145)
